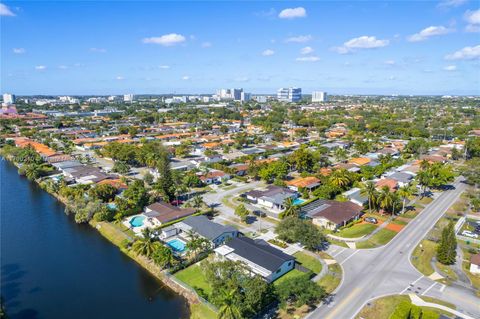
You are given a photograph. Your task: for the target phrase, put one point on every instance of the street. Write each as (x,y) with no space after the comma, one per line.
(387,270)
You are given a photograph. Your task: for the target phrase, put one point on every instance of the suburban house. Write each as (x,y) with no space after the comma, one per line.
(164,212)
(205,228)
(390,183)
(331,214)
(401,178)
(85,174)
(308,183)
(273,197)
(475,264)
(258,256)
(355,196)
(214,176)
(239,169)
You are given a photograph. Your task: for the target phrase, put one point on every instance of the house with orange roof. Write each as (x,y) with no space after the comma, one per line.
(392,184)
(359,161)
(309,182)
(118,184)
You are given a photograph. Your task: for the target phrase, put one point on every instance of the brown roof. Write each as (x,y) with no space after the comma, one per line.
(391,183)
(336,212)
(168,213)
(303,182)
(475,259)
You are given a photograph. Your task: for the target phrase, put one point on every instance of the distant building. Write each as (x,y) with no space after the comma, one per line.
(128,98)
(245,97)
(261,98)
(8,98)
(237,94)
(113,98)
(319,96)
(69,100)
(289,94)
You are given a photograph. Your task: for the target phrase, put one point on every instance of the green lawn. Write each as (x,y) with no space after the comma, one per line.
(291,274)
(332,279)
(422,256)
(194,277)
(309,262)
(201,311)
(379,239)
(425,200)
(357,230)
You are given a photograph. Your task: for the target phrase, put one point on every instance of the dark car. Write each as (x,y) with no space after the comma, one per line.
(259,213)
(371,220)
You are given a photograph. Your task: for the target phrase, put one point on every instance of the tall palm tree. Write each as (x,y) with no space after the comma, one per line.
(164,257)
(387,200)
(197,202)
(340,178)
(229,309)
(290,208)
(404,192)
(147,245)
(369,190)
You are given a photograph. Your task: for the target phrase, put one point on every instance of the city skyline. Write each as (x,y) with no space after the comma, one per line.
(159,48)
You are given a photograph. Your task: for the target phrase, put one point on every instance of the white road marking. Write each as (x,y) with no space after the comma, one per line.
(429,288)
(413,283)
(442,288)
(339,252)
(356,251)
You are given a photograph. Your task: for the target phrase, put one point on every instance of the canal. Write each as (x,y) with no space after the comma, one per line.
(53,268)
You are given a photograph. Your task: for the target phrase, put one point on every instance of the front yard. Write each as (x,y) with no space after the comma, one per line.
(379,239)
(357,230)
(309,262)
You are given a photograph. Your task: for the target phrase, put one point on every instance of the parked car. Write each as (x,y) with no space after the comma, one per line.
(259,213)
(477,230)
(470,234)
(371,220)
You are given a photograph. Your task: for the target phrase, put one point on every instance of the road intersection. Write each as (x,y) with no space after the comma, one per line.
(372,273)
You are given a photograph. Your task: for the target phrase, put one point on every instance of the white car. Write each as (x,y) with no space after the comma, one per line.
(468,233)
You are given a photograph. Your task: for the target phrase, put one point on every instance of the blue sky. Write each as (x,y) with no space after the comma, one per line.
(357,47)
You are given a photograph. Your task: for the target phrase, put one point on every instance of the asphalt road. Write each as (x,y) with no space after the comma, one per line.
(387,270)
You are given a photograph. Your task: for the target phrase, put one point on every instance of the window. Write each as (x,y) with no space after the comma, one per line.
(278,270)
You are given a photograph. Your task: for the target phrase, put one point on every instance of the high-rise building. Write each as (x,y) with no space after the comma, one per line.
(319,96)
(245,97)
(8,98)
(237,94)
(128,98)
(289,94)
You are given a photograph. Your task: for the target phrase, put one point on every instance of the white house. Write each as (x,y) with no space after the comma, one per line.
(475,264)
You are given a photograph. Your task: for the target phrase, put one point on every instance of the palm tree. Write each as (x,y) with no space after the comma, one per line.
(387,200)
(197,202)
(147,245)
(404,192)
(340,178)
(340,154)
(229,308)
(164,257)
(290,208)
(370,191)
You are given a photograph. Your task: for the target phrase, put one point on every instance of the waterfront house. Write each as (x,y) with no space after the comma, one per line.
(85,174)
(165,213)
(202,226)
(258,256)
(331,214)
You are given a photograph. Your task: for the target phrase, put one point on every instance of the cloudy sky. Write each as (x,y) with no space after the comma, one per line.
(343,47)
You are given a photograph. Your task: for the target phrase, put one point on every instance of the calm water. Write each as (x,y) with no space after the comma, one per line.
(53,268)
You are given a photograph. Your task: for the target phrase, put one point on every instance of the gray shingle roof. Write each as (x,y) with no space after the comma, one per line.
(206,228)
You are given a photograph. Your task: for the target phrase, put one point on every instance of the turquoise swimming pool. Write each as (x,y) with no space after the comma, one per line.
(298,201)
(177,245)
(137,221)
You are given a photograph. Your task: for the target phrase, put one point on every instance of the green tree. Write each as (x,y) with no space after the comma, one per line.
(340,178)
(293,229)
(447,248)
(164,257)
(290,208)
(165,182)
(104,192)
(242,212)
(370,191)
(229,308)
(121,167)
(147,245)
(404,192)
(299,291)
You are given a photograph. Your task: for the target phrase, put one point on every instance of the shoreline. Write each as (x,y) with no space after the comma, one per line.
(101,228)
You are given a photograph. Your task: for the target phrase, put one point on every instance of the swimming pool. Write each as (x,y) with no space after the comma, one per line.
(298,201)
(177,245)
(137,221)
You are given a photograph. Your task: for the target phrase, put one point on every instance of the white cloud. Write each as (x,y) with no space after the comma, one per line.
(242,79)
(63,67)
(5,11)
(299,39)
(206,44)
(390,62)
(19,50)
(308,59)
(429,32)
(306,50)
(467,53)
(166,39)
(119,78)
(98,50)
(185,77)
(473,19)
(451,3)
(450,68)
(268,52)
(363,42)
(40,67)
(164,67)
(293,13)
